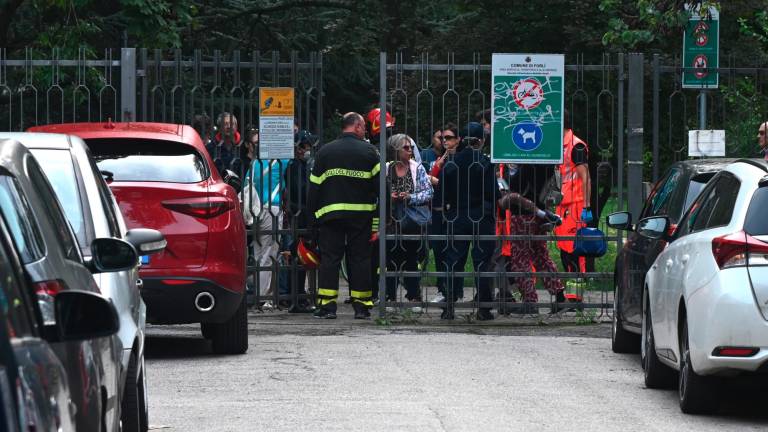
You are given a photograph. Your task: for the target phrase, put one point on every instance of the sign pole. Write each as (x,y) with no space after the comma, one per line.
(702,109)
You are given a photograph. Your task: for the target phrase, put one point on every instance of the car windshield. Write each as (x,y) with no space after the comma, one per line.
(756,222)
(60,170)
(128,159)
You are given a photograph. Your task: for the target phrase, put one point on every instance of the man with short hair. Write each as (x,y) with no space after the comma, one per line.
(762,140)
(223,147)
(343,190)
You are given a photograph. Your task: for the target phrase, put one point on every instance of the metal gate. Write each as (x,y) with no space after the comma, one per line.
(424,94)
(173,87)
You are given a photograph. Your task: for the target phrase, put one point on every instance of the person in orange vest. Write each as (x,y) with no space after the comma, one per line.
(574,209)
(520,213)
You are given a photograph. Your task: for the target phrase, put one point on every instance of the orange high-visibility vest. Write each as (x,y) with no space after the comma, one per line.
(503,226)
(572,204)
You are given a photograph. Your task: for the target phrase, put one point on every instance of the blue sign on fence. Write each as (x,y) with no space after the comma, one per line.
(527,136)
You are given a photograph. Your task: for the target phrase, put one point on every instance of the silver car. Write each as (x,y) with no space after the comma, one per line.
(53,262)
(93,213)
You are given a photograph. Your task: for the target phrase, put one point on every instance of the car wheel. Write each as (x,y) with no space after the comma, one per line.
(695,391)
(657,374)
(131,412)
(231,337)
(622,341)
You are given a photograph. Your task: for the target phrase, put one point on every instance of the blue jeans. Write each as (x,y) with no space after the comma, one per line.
(438,246)
(456,258)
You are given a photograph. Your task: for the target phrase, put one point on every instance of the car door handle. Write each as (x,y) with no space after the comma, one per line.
(669,263)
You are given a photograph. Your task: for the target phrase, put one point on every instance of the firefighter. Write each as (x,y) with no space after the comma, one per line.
(574,209)
(343,189)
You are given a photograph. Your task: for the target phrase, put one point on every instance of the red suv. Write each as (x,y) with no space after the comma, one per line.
(163,178)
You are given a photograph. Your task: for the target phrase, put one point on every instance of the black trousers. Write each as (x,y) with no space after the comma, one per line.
(338,238)
(571,262)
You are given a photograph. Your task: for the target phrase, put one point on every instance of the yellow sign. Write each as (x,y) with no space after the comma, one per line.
(276,101)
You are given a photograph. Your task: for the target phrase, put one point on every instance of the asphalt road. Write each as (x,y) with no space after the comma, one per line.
(304,374)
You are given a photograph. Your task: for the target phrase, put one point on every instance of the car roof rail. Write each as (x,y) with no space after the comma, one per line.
(758,163)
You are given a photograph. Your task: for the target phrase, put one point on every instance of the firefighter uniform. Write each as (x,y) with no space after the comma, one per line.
(343,189)
(575,153)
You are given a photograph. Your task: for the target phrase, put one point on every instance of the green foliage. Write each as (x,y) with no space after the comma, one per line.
(639,24)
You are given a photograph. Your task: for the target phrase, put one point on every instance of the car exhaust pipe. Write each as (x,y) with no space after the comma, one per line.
(204,301)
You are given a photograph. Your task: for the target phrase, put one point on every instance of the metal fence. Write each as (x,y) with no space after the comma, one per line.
(614,100)
(425,95)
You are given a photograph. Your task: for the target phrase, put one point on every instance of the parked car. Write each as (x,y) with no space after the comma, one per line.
(671,197)
(34,390)
(53,263)
(164,178)
(705,306)
(92,210)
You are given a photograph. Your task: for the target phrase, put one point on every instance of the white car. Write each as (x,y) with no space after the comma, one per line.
(705,310)
(92,212)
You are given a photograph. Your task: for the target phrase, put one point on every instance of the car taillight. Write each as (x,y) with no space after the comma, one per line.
(739,250)
(50,288)
(46,292)
(206,207)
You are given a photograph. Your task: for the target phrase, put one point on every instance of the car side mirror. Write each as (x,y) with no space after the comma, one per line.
(112,255)
(233,180)
(82,315)
(653,227)
(620,221)
(146,241)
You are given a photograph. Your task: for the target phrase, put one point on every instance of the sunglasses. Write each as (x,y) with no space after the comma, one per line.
(448,137)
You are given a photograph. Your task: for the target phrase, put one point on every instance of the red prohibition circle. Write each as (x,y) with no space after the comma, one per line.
(528,93)
(700,62)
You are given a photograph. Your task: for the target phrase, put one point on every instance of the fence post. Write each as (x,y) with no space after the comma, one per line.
(128,84)
(382,184)
(656,96)
(635,134)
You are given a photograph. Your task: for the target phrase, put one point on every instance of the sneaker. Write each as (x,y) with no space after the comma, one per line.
(439,298)
(362,314)
(324,314)
(484,315)
(267,305)
(416,308)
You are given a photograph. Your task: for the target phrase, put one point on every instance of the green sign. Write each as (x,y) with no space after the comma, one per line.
(701,50)
(527,108)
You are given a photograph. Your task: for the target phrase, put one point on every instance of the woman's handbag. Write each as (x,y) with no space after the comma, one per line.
(590,242)
(412,218)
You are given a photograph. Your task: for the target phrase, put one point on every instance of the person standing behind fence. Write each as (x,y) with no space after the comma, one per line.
(469,201)
(762,140)
(295,216)
(223,147)
(409,187)
(265,178)
(576,189)
(343,189)
(449,141)
(524,210)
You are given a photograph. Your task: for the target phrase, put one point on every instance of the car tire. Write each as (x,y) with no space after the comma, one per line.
(657,375)
(622,341)
(696,392)
(231,337)
(133,408)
